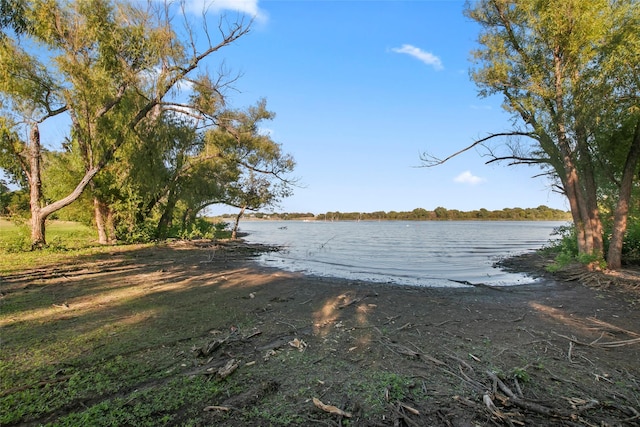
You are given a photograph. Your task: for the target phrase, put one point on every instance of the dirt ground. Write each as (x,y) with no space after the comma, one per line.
(298,350)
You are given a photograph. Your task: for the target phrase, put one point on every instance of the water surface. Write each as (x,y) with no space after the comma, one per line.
(426,253)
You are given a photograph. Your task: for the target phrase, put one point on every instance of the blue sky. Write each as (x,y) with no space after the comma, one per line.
(360,89)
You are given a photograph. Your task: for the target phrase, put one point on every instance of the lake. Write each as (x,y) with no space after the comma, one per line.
(417,253)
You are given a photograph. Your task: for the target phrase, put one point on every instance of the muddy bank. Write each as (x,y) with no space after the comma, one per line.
(250,345)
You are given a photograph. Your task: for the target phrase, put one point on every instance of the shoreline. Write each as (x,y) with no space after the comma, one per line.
(529,265)
(538,281)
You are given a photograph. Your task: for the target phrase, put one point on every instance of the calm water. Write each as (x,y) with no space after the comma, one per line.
(429,253)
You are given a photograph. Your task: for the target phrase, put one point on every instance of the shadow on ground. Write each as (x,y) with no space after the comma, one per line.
(198,334)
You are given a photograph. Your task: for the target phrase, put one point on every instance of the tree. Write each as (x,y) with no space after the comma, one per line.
(111,68)
(441,213)
(156,189)
(568,73)
(262,166)
(5,198)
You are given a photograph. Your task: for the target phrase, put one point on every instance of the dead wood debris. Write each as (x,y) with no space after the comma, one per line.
(228,369)
(578,405)
(330,408)
(217,408)
(597,343)
(211,347)
(222,372)
(598,279)
(208,348)
(402,415)
(299,344)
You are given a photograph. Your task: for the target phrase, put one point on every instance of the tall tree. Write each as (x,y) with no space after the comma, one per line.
(562,72)
(263,169)
(111,66)
(164,183)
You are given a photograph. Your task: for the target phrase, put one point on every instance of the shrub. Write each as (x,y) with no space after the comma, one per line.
(631,246)
(566,250)
(140,233)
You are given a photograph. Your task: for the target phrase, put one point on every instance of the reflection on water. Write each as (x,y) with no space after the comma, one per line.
(429,253)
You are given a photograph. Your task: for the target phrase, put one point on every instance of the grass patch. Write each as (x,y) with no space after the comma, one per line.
(60,235)
(66,239)
(156,405)
(103,336)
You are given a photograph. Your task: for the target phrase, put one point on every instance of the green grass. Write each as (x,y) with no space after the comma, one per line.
(65,240)
(59,234)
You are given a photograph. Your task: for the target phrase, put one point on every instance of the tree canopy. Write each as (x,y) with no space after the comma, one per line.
(133,81)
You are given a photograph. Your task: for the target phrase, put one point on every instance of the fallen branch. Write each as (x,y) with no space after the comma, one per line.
(608,325)
(405,326)
(217,408)
(525,404)
(398,409)
(613,344)
(480,285)
(330,408)
(206,350)
(401,349)
(409,408)
(488,403)
(461,361)
(596,343)
(226,370)
(570,351)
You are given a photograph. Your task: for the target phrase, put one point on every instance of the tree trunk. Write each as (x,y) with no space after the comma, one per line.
(591,198)
(165,220)
(614,255)
(38,233)
(39,214)
(100,222)
(186,217)
(111,226)
(104,222)
(578,208)
(38,240)
(582,199)
(234,233)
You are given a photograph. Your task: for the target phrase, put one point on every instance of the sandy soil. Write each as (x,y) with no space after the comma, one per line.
(565,351)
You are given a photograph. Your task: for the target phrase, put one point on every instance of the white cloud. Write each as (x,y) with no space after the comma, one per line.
(426,57)
(480,107)
(467,177)
(250,7)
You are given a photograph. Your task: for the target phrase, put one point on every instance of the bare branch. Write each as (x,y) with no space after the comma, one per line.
(431,161)
(556,188)
(275,172)
(517,160)
(179,72)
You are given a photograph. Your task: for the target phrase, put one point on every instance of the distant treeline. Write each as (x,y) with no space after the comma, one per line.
(541,213)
